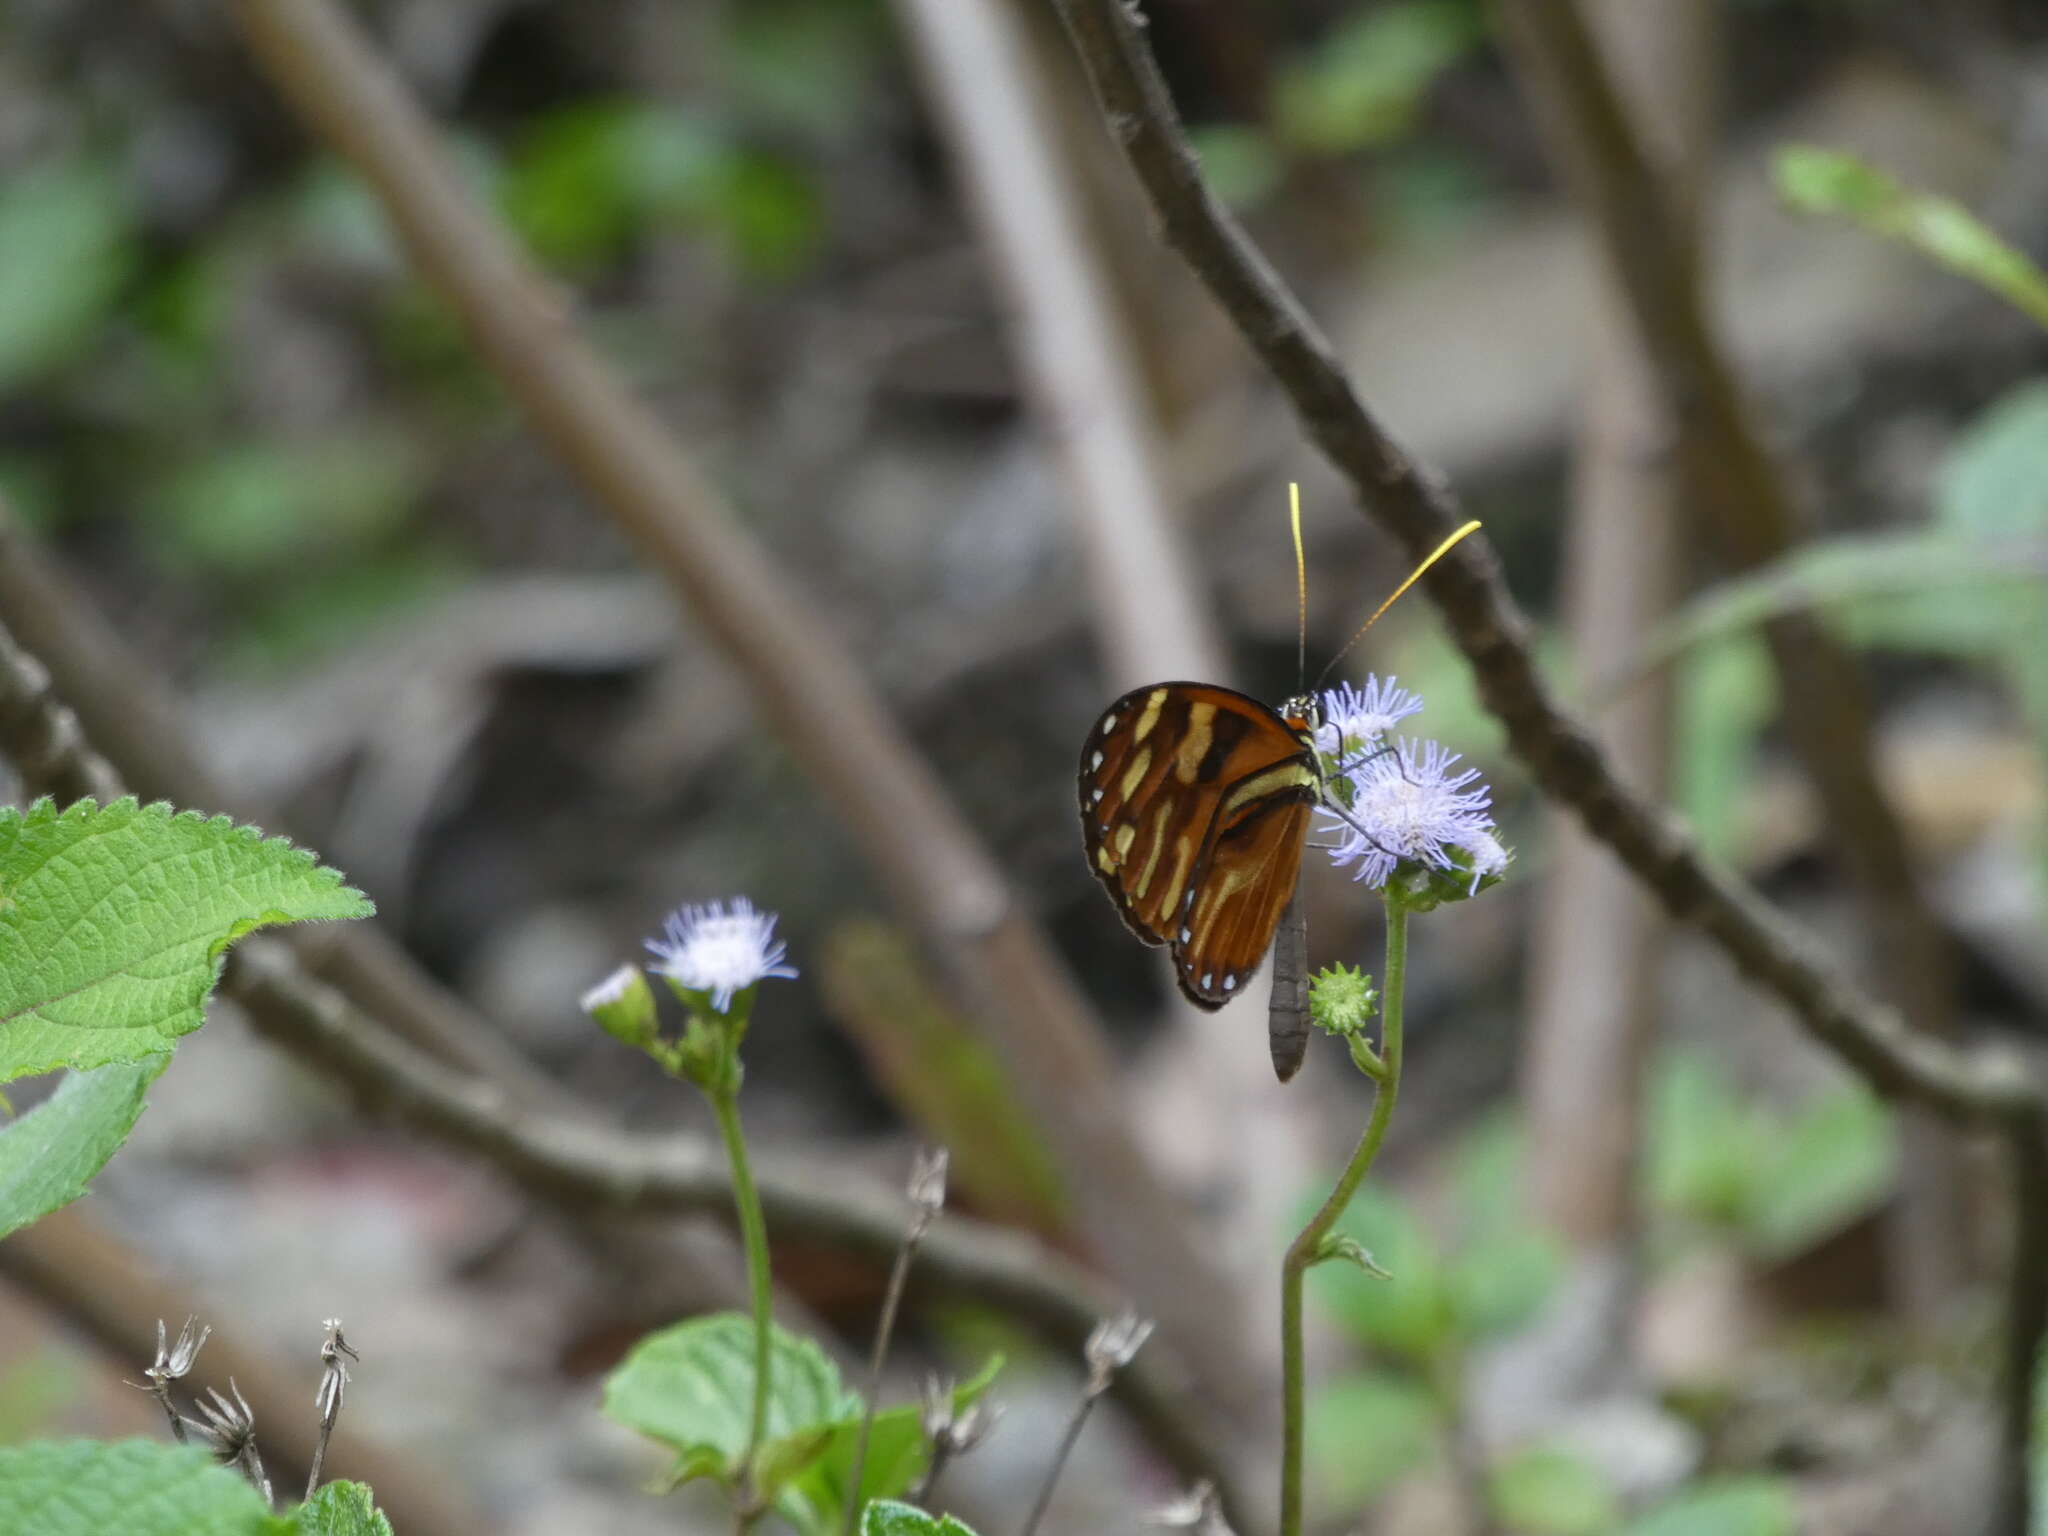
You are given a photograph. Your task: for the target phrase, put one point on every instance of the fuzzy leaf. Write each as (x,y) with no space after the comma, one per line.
(49,1155)
(113,921)
(135,1487)
(340,1509)
(691,1387)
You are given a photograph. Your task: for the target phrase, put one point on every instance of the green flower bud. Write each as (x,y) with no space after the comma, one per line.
(623,1006)
(1342,1001)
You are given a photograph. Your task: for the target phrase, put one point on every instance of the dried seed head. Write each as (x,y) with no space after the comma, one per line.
(1197,1510)
(174,1361)
(231,1426)
(1112,1346)
(334,1372)
(952,1433)
(928,1185)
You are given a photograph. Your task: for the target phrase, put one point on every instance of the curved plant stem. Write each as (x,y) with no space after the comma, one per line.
(725,1103)
(1302,1254)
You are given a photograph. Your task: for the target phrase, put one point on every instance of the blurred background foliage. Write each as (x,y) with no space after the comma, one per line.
(269,452)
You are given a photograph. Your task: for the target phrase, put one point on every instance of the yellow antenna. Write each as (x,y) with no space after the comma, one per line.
(1413,576)
(1300,589)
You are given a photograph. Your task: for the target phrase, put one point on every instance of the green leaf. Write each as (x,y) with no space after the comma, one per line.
(1367,1432)
(261,507)
(897,1456)
(1243,164)
(340,1509)
(48,1156)
(1364,85)
(1837,1160)
(1411,1316)
(1826,181)
(1500,1281)
(886,1519)
(1735,1506)
(65,249)
(135,1487)
(1706,1145)
(691,1387)
(113,921)
(1994,481)
(1546,1492)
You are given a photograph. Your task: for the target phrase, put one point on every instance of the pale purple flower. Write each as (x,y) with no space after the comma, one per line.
(1362,714)
(1408,804)
(721,948)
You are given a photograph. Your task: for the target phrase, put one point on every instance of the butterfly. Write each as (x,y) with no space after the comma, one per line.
(1195,803)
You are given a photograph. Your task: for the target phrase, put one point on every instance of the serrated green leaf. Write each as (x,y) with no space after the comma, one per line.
(897,1456)
(1826,181)
(135,1487)
(1545,1492)
(1736,1506)
(884,1518)
(340,1509)
(113,920)
(1366,1432)
(49,1155)
(691,1387)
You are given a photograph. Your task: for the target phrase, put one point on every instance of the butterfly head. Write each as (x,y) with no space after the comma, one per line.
(1303,714)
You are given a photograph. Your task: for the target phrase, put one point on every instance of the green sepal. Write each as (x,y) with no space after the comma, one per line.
(1339,1245)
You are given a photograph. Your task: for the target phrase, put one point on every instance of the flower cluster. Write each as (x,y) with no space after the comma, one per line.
(1401,801)
(720,948)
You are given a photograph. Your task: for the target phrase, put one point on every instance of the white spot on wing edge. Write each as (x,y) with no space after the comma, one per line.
(1229,983)
(1208,980)
(1096,794)
(1108,724)
(1185,935)
(1094,763)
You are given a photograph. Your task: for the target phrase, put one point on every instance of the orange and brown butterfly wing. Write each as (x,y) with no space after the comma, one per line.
(1195,803)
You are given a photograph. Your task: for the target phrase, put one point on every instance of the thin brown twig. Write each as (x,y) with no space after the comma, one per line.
(801,678)
(578,1164)
(131,716)
(1975,1088)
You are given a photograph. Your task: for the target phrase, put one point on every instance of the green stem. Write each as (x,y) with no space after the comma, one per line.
(1301,1254)
(725,1103)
